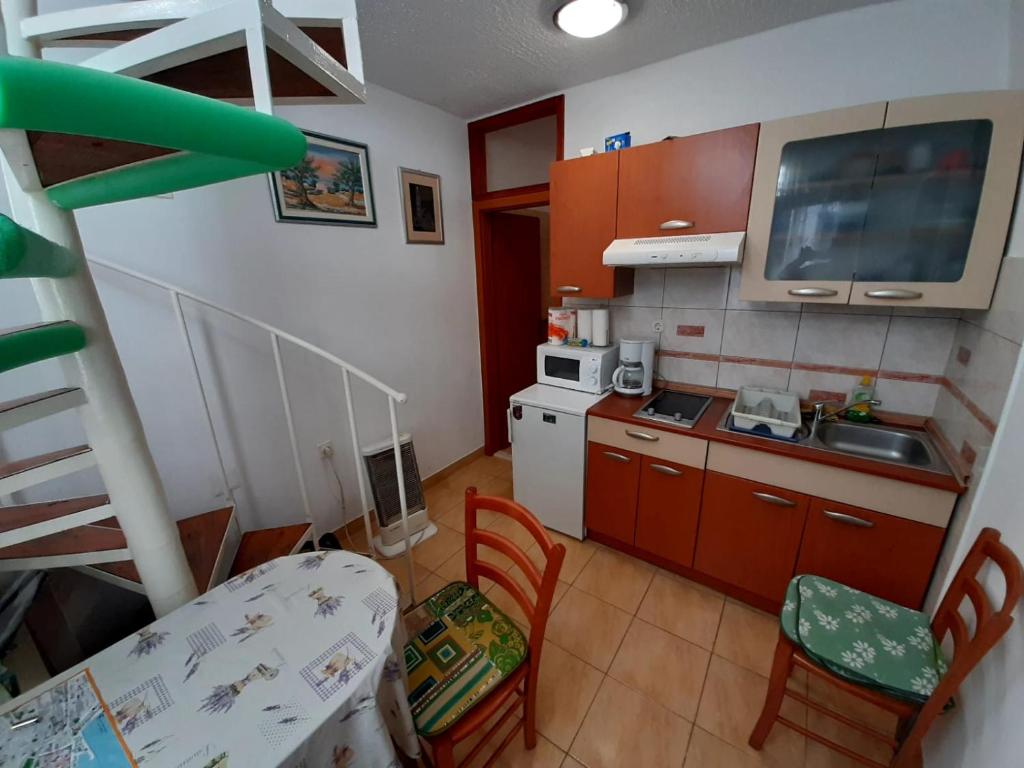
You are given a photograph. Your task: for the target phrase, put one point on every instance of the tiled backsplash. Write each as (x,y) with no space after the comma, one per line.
(711,338)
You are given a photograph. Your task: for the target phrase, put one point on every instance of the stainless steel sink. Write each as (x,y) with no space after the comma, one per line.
(890,444)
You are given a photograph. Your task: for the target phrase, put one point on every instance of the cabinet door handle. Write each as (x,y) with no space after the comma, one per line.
(666,470)
(772,499)
(676,224)
(839,517)
(894,293)
(642,436)
(568,289)
(812,292)
(617,457)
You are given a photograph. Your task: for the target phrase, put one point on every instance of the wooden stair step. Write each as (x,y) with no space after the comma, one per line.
(24,473)
(33,343)
(79,545)
(22,524)
(14,413)
(261,546)
(207,541)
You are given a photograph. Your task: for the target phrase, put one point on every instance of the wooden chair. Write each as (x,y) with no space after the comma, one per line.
(968,649)
(521,685)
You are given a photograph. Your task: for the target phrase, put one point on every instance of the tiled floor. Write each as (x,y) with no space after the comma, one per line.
(640,667)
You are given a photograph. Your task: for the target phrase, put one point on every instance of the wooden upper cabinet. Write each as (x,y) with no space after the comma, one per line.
(880,554)
(613,477)
(701,180)
(583,193)
(668,508)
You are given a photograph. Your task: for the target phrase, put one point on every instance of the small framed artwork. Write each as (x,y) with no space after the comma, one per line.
(421,204)
(330,186)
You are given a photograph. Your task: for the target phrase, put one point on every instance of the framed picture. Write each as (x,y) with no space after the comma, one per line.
(421,205)
(330,186)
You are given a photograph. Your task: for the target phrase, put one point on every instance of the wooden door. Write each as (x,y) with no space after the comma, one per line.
(881,554)
(668,509)
(749,534)
(583,199)
(701,180)
(513,294)
(613,478)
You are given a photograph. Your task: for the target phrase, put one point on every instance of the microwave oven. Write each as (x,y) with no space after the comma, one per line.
(587,369)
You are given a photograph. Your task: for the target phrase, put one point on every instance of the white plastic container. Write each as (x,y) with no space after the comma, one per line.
(775,408)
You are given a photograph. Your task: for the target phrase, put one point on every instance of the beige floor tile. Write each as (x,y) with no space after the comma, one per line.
(683,608)
(567,687)
(820,690)
(570,763)
(615,578)
(625,728)
(820,756)
(454,568)
(577,555)
(397,567)
(428,585)
(514,531)
(493,465)
(662,666)
(454,517)
(708,751)
(441,497)
(748,637)
(438,548)
(544,755)
(729,708)
(505,602)
(588,627)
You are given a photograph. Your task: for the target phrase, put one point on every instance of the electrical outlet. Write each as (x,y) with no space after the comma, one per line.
(657,326)
(326,449)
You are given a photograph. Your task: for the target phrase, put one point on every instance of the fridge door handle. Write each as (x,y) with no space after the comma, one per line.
(508,421)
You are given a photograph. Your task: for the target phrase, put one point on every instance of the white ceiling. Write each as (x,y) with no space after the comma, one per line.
(474,57)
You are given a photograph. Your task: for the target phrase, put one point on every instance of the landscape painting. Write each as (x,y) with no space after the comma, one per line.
(330,186)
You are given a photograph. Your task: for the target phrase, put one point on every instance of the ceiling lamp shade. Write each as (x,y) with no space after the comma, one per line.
(590,18)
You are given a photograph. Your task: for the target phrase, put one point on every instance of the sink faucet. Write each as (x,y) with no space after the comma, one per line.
(820,415)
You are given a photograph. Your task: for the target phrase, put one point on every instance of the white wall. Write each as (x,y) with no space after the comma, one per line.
(404,313)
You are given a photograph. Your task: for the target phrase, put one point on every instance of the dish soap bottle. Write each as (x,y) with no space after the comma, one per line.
(861,394)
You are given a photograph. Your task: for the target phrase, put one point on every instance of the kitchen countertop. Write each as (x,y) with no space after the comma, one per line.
(620,408)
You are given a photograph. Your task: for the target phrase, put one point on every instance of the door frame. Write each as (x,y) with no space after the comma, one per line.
(485,316)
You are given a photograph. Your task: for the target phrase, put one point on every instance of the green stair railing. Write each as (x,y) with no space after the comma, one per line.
(34,343)
(23,253)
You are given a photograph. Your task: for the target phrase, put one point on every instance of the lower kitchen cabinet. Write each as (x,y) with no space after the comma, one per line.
(613,479)
(668,508)
(887,556)
(750,534)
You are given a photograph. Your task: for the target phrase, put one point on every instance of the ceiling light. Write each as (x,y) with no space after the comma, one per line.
(590,18)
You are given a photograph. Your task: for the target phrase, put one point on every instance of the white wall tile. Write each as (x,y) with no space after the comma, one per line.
(845,309)
(703,373)
(802,382)
(648,289)
(736,375)
(734,302)
(765,335)
(633,323)
(986,377)
(925,312)
(696,288)
(913,397)
(919,344)
(1006,315)
(710,319)
(854,341)
(570,301)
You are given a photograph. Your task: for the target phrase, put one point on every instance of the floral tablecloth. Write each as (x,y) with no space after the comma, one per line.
(294,663)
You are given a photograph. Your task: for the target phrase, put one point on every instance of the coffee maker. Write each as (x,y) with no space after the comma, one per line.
(635,374)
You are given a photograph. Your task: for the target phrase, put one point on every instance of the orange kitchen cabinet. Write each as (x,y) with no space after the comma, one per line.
(887,556)
(750,534)
(613,479)
(688,186)
(668,509)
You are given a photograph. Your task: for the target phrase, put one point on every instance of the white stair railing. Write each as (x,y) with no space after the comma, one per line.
(348,370)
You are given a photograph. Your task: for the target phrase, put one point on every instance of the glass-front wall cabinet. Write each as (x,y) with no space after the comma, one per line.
(900,203)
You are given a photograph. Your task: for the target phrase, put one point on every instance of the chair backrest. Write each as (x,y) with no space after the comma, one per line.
(989,624)
(543,583)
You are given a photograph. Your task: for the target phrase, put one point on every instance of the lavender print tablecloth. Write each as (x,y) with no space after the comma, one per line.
(295,663)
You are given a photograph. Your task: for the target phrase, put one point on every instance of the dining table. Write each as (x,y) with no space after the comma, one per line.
(296,662)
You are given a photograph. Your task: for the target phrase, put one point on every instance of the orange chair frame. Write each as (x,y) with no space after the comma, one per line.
(968,651)
(521,685)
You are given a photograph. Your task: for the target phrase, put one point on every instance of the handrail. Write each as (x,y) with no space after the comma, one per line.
(399,396)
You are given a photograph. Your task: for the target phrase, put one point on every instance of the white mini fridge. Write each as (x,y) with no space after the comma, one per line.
(548,429)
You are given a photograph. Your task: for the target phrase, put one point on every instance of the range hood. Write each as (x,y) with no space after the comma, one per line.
(676,251)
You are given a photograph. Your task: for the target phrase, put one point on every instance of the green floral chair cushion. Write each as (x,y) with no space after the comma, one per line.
(462,647)
(863,638)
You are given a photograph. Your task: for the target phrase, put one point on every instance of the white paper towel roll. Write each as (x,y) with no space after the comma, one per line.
(599,322)
(584,324)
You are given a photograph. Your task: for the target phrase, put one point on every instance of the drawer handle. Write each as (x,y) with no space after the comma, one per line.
(772,499)
(569,289)
(839,517)
(642,436)
(812,292)
(894,293)
(617,457)
(676,224)
(666,470)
